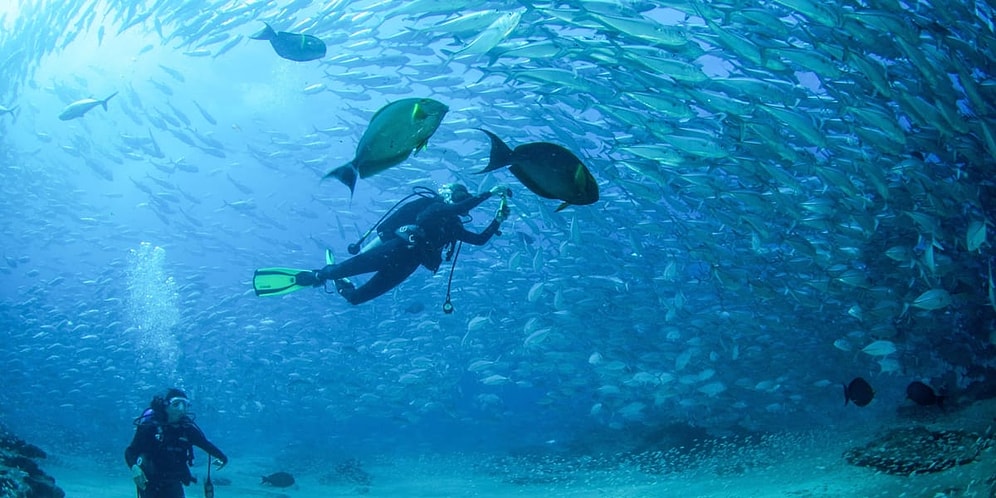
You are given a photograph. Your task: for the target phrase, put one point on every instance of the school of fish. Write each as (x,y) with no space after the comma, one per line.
(756,203)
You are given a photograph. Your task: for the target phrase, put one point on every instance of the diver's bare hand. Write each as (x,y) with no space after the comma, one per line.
(501,190)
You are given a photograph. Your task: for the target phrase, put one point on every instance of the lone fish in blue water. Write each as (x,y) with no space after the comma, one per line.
(292,46)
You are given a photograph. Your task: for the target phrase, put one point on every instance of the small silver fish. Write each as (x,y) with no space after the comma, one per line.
(80,107)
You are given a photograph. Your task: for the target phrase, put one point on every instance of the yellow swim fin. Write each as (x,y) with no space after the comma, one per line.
(278,281)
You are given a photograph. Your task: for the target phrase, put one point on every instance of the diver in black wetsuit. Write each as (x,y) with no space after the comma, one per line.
(161,452)
(414,235)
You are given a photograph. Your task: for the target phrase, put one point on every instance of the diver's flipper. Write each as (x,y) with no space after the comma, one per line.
(277,281)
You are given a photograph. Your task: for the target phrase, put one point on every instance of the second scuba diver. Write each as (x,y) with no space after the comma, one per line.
(162,449)
(415,234)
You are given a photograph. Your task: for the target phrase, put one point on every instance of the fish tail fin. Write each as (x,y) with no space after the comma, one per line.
(266,33)
(846,397)
(501,154)
(345,174)
(450,55)
(104,102)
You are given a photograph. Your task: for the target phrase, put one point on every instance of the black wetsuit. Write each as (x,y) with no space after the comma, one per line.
(438,225)
(167,453)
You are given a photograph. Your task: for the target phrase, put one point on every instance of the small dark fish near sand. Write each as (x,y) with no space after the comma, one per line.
(292,46)
(859,392)
(279,480)
(923,395)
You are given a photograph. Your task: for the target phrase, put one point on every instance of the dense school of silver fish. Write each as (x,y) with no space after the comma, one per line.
(794,193)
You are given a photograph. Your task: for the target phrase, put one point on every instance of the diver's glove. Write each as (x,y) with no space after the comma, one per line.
(219,463)
(501,190)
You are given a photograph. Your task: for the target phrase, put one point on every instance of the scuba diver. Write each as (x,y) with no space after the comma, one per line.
(162,450)
(415,234)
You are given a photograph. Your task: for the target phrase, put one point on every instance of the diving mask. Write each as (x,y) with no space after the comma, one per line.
(180,403)
(454,193)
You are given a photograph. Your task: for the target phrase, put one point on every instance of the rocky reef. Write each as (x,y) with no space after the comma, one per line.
(348,472)
(917,450)
(20,474)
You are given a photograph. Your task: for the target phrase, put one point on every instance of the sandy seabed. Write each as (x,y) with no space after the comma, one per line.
(783,470)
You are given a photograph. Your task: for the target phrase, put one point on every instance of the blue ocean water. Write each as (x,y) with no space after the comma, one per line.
(792,195)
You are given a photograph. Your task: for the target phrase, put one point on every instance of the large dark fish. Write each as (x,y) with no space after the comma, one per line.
(394,132)
(923,395)
(279,480)
(859,392)
(549,170)
(292,46)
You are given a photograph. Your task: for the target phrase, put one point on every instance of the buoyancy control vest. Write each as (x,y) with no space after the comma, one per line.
(171,446)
